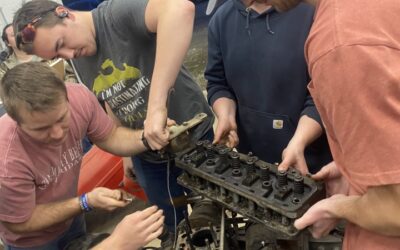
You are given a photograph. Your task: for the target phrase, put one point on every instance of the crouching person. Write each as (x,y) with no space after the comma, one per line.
(41,155)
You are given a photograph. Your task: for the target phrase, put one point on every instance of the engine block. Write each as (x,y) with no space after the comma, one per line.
(248,186)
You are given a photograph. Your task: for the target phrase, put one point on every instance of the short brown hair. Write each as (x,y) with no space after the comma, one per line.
(33,86)
(44,11)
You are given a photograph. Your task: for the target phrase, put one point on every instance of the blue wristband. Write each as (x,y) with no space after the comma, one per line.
(83,202)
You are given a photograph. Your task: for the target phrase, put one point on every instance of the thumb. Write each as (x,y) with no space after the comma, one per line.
(285,164)
(304,221)
(322,174)
(302,166)
(218,135)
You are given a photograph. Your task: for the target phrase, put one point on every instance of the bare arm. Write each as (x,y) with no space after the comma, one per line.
(50,214)
(46,215)
(383,203)
(121,141)
(172,20)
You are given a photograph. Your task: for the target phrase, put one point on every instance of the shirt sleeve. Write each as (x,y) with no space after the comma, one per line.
(217,85)
(357,92)
(100,124)
(17,195)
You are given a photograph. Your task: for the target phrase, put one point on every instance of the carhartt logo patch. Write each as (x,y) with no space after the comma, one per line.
(277,124)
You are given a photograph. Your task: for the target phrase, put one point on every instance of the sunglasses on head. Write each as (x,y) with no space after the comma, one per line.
(27,34)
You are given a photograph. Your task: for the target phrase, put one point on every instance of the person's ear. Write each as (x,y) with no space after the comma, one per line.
(62,12)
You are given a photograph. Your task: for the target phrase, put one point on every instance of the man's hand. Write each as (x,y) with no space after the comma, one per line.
(108,199)
(293,156)
(135,230)
(155,129)
(321,217)
(226,132)
(335,183)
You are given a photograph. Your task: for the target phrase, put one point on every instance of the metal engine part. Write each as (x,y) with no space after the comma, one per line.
(248,186)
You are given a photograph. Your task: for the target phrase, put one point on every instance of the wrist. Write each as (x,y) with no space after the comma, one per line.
(84,203)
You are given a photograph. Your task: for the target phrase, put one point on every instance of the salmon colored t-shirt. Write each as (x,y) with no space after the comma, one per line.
(33,173)
(353,54)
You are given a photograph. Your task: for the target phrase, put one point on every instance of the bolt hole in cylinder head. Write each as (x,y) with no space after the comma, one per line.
(236,172)
(266,184)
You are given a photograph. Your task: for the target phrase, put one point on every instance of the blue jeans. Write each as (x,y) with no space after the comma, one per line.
(152,177)
(77,229)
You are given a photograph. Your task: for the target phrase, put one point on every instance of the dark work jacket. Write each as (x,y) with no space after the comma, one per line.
(258,61)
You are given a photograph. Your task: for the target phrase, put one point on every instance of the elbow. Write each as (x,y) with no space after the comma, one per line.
(187,9)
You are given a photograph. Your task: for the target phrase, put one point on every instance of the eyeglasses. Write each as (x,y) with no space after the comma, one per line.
(27,34)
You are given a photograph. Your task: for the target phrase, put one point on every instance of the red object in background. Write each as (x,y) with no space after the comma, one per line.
(102,169)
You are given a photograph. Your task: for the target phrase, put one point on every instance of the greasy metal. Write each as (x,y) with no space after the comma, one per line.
(273,202)
(179,135)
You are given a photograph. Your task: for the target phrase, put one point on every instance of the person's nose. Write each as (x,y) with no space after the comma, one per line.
(56,132)
(66,53)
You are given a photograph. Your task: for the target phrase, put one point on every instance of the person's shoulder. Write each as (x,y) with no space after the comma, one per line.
(77,92)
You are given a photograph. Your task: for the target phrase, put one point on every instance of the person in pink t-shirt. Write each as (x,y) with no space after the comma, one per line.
(41,155)
(353,56)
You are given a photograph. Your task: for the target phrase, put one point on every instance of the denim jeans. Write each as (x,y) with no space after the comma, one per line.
(152,177)
(77,229)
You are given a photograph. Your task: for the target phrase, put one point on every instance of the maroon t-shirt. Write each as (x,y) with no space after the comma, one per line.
(34,173)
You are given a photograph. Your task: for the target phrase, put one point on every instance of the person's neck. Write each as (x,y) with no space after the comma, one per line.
(87,18)
(257,5)
(22,56)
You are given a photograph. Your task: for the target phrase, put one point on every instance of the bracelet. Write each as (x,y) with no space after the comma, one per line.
(83,203)
(144,141)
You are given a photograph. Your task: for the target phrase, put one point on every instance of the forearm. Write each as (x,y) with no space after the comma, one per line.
(47,215)
(123,142)
(174,27)
(307,131)
(223,107)
(376,211)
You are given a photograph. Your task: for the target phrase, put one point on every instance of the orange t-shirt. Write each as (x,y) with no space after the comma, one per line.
(353,54)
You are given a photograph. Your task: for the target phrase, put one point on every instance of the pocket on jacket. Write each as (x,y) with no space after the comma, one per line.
(264,134)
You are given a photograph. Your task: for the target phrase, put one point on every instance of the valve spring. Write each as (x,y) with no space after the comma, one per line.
(265,174)
(200,146)
(282,178)
(251,168)
(250,165)
(210,151)
(298,184)
(223,153)
(235,160)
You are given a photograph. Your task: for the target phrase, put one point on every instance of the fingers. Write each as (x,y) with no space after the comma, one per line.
(233,139)
(306,220)
(170,122)
(285,164)
(322,174)
(155,234)
(157,139)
